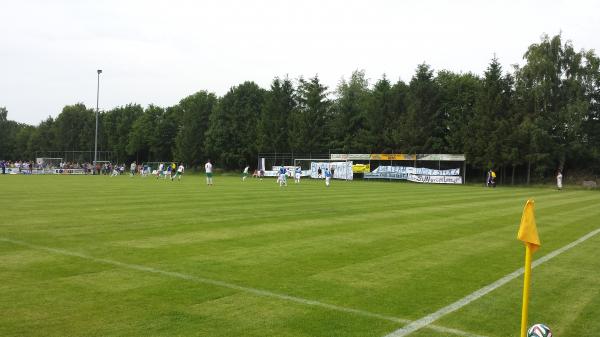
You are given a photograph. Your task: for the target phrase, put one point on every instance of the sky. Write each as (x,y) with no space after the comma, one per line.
(158,52)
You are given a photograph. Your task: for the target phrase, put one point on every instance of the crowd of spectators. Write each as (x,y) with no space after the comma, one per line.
(31,167)
(19,166)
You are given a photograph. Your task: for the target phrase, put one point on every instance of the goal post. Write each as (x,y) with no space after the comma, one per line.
(49,162)
(339,169)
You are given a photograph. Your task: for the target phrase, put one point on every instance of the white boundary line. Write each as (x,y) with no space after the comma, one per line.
(254,291)
(427,320)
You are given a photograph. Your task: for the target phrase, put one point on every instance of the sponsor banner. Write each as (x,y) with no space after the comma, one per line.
(416,174)
(394,156)
(441,157)
(341,170)
(349,156)
(338,156)
(386,175)
(13,170)
(270,174)
(361,168)
(69,171)
(391,170)
(419,178)
(397,156)
(358,156)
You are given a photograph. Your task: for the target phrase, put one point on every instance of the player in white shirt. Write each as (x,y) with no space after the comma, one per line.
(559,179)
(245,173)
(179,172)
(209,173)
(160,170)
(132,169)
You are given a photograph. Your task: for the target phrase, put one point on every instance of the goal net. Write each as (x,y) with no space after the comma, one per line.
(48,163)
(315,168)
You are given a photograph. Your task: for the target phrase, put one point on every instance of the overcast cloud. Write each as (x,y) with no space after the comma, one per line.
(161,51)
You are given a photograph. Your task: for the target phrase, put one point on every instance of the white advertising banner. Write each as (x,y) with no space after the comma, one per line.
(397,156)
(341,170)
(416,174)
(441,157)
(338,156)
(420,178)
(12,170)
(350,156)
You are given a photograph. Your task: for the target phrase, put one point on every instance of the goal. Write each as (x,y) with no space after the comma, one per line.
(340,169)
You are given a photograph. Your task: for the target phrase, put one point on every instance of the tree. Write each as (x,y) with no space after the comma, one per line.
(458,96)
(590,80)
(195,112)
(22,142)
(309,131)
(350,127)
(379,115)
(13,138)
(393,134)
(555,102)
(115,126)
(489,128)
(5,135)
(423,124)
(74,128)
(544,115)
(163,142)
(43,138)
(232,136)
(152,137)
(280,103)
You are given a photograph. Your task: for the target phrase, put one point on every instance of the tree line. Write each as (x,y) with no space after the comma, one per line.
(531,119)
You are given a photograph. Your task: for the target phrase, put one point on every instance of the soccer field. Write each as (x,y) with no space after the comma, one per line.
(101,256)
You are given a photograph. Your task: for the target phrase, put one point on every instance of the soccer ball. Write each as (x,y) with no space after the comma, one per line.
(539,330)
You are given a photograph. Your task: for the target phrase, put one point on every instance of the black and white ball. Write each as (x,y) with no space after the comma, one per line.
(539,330)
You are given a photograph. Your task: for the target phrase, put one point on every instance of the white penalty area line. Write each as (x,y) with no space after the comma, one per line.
(254,291)
(427,320)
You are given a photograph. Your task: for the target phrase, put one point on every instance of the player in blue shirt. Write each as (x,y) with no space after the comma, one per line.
(327,176)
(282,176)
(298,174)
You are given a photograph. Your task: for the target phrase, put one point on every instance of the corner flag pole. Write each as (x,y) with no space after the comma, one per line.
(526,283)
(529,235)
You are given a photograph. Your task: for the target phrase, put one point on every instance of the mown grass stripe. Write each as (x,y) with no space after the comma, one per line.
(429,319)
(218,283)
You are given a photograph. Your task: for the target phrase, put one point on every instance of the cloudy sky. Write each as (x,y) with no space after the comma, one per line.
(157,52)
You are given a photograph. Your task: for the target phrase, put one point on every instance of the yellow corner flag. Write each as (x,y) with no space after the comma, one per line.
(527,230)
(529,235)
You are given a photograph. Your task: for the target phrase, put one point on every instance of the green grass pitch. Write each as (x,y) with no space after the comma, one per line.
(101,256)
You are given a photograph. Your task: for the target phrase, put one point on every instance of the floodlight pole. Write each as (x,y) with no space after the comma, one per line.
(99,71)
